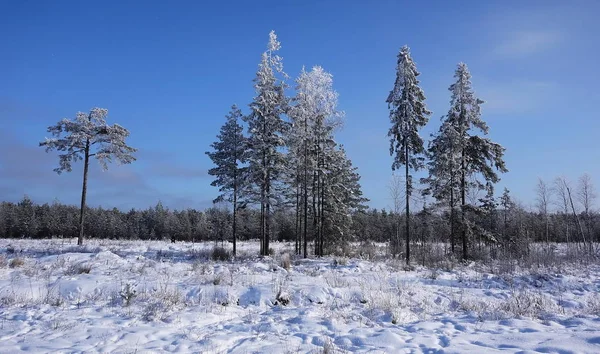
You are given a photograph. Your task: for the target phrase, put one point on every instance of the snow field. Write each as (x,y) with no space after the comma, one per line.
(139,296)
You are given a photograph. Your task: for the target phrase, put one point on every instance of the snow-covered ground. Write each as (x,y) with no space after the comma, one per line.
(137,297)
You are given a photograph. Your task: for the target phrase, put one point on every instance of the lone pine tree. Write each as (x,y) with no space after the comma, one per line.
(87,136)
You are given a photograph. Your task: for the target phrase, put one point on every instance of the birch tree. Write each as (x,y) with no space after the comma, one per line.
(543,196)
(87,136)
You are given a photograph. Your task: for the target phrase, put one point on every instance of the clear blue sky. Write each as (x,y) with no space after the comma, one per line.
(169,71)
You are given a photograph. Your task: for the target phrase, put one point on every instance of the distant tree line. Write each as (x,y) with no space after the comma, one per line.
(498,224)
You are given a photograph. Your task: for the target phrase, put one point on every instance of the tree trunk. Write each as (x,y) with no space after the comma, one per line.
(322,218)
(234,214)
(315,209)
(407,206)
(452,216)
(298,224)
(576,218)
(267,213)
(86,164)
(463,191)
(305,185)
(262,227)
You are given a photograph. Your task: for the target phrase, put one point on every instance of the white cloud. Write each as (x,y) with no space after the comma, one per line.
(525,43)
(517,97)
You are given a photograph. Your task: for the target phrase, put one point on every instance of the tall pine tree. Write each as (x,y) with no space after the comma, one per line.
(229,155)
(266,137)
(443,183)
(477,156)
(408,114)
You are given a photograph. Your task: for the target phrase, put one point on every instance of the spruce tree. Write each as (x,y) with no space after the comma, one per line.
(408,114)
(229,155)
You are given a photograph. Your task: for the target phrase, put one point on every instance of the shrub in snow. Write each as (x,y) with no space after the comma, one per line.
(342,261)
(280,285)
(527,303)
(285,261)
(593,304)
(3,261)
(75,269)
(367,250)
(335,280)
(128,293)
(220,254)
(16,262)
(328,347)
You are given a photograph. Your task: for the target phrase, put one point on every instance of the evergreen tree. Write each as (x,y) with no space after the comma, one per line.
(442,182)
(228,155)
(28,223)
(266,137)
(314,117)
(341,196)
(478,156)
(408,114)
(88,131)
(507,205)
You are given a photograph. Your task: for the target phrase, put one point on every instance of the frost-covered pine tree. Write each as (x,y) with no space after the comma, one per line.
(314,116)
(443,183)
(266,136)
(87,136)
(408,114)
(478,156)
(229,155)
(341,196)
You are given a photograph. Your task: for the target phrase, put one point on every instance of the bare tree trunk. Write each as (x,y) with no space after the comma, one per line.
(305,185)
(315,209)
(576,217)
(452,240)
(86,164)
(262,228)
(407,206)
(234,214)
(463,203)
(322,218)
(268,213)
(298,224)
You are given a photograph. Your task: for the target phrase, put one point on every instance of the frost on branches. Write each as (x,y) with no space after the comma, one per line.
(266,136)
(408,114)
(327,187)
(88,131)
(476,156)
(88,135)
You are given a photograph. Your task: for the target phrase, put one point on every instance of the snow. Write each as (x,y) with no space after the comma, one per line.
(164,297)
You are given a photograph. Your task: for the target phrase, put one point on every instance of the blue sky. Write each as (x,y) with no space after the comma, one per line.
(169,72)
